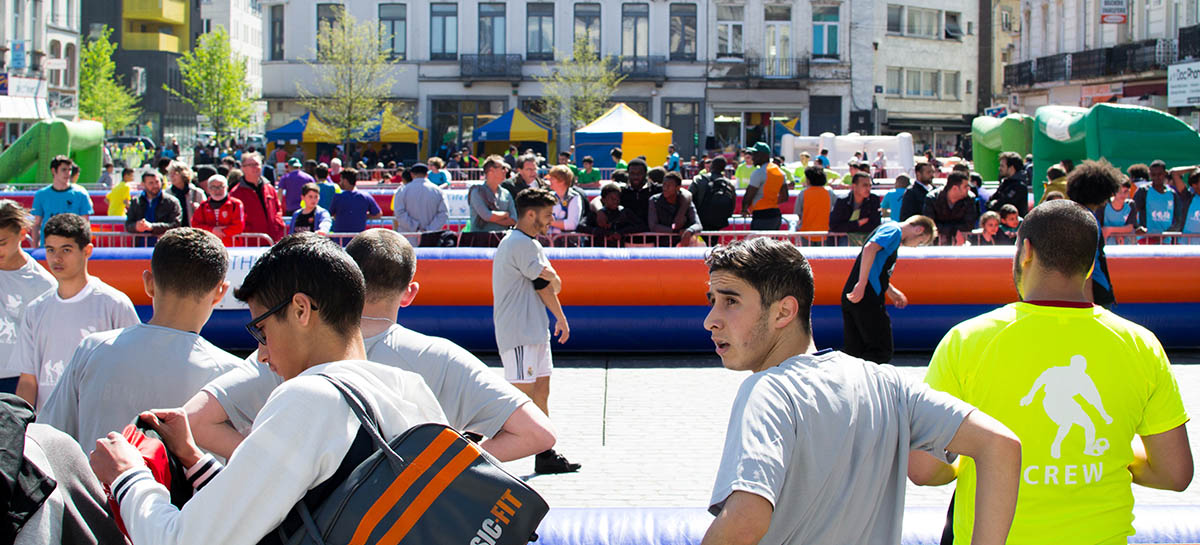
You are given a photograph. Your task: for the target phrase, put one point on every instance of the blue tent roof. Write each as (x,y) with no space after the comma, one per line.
(514,125)
(290,131)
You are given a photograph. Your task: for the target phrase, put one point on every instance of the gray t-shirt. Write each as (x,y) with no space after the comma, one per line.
(825,438)
(519,314)
(115,375)
(52,328)
(758,179)
(17,289)
(483,202)
(473,397)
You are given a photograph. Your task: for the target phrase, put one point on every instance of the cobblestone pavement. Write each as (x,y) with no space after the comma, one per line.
(649,430)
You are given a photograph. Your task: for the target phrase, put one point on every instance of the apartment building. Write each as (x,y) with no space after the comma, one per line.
(39,61)
(242,21)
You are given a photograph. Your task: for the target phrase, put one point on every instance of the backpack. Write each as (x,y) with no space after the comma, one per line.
(718,204)
(428,485)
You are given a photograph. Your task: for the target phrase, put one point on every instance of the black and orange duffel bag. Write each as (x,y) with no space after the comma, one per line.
(428,485)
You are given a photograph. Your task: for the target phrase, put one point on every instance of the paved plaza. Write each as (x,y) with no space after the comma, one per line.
(649,430)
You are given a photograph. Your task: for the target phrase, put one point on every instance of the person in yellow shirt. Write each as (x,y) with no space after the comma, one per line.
(744,170)
(1056,180)
(118,196)
(1075,382)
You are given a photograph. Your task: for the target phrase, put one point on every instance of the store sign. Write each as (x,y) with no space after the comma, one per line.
(18,54)
(1103,92)
(1183,85)
(24,87)
(1114,12)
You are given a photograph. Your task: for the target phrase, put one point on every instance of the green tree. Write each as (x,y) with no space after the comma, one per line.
(214,83)
(102,97)
(353,76)
(582,85)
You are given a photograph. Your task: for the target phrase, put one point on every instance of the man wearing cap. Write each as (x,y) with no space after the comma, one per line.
(419,205)
(291,184)
(765,192)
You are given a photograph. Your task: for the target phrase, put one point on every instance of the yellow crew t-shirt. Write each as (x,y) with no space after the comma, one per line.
(116,198)
(1075,385)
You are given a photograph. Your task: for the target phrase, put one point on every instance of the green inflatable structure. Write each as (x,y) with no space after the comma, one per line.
(990,136)
(27,161)
(1124,135)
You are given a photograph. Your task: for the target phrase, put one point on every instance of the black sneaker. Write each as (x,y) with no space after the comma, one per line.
(550,462)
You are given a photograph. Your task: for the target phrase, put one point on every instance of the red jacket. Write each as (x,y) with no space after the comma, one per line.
(231,217)
(263,215)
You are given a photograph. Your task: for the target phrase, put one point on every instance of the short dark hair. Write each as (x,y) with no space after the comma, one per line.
(127,172)
(858,176)
(13,216)
(1055,172)
(815,175)
(566,154)
(961,167)
(310,187)
(637,161)
(350,175)
(588,159)
(1093,183)
(620,177)
(310,164)
(774,268)
(609,188)
(656,174)
(321,171)
(955,178)
(60,160)
(189,262)
(1139,171)
(717,165)
(616,152)
(672,175)
(922,165)
(534,197)
(68,225)
(527,158)
(1158,163)
(1053,196)
(1008,210)
(316,266)
(1012,159)
(1064,234)
(387,262)
(824,151)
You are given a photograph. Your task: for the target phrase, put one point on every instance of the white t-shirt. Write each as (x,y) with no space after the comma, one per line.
(17,289)
(52,328)
(472,397)
(115,375)
(298,441)
(518,313)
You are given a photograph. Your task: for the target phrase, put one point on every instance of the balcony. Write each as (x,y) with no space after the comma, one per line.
(1089,64)
(151,41)
(642,68)
(770,72)
(1143,56)
(1124,59)
(1189,42)
(490,67)
(173,12)
(1052,68)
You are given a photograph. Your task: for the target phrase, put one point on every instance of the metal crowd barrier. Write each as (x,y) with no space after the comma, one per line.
(117,239)
(252,240)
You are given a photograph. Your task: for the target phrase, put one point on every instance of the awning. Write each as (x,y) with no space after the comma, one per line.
(929,123)
(23,109)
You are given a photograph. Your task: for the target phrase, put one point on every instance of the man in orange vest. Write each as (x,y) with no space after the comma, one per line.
(765,192)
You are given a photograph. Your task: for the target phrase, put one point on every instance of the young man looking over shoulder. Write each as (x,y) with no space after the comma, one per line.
(817,440)
(524,285)
(1090,369)
(22,279)
(116,374)
(57,320)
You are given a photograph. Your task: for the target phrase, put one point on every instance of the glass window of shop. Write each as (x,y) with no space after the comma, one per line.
(455,120)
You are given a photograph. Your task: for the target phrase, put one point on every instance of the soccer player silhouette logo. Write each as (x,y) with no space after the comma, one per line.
(1062,384)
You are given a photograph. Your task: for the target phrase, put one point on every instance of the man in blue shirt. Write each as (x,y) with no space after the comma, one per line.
(1155,205)
(328,188)
(867,329)
(672,159)
(352,208)
(58,197)
(894,198)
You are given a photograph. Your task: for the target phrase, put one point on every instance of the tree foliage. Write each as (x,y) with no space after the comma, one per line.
(214,83)
(581,86)
(353,76)
(102,97)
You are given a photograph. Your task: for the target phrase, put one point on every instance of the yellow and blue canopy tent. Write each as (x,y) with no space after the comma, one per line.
(514,127)
(622,127)
(307,131)
(791,126)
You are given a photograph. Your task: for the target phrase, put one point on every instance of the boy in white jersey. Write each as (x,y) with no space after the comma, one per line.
(117,374)
(22,279)
(57,320)
(474,398)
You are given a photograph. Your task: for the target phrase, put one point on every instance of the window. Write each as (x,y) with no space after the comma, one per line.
(55,52)
(327,14)
(895,19)
(394,20)
(69,75)
(587,24)
(206,26)
(778,50)
(729,30)
(1006,19)
(921,83)
(825,32)
(894,81)
(683,32)
(492,39)
(443,31)
(968,87)
(276,33)
(950,85)
(539,33)
(922,23)
(635,30)
(953,28)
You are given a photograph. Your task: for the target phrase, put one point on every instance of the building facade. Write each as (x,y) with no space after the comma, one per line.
(151,35)
(718,74)
(39,60)
(1067,56)
(242,21)
(926,71)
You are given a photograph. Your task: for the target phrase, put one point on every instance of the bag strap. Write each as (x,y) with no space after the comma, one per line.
(361,408)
